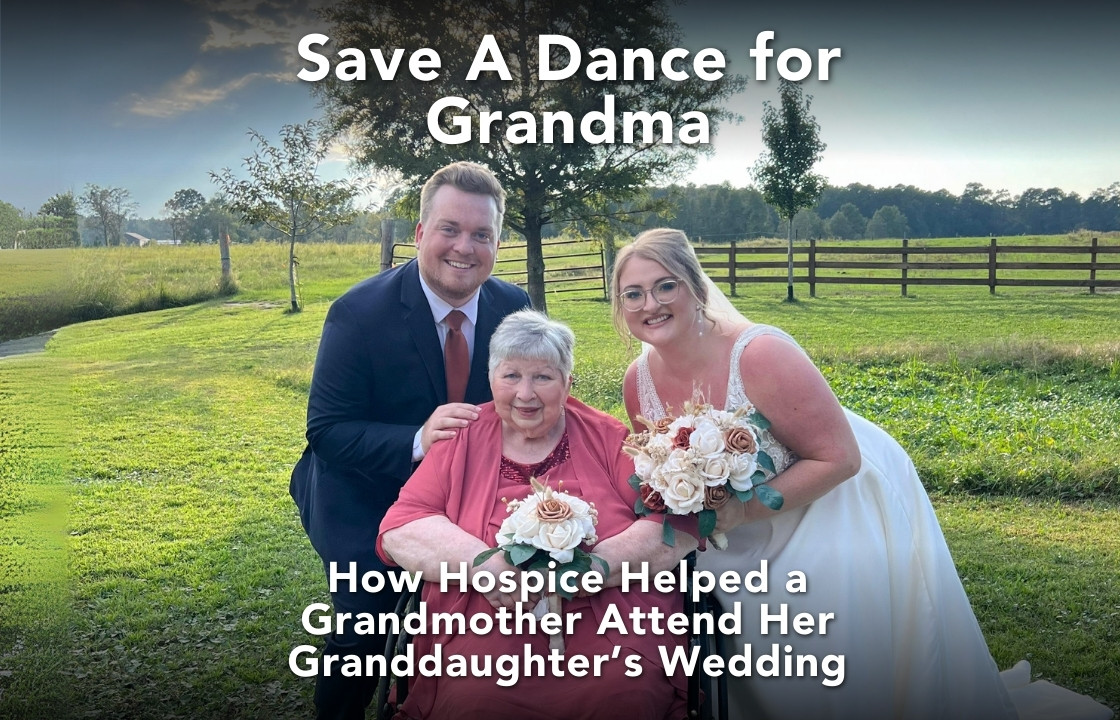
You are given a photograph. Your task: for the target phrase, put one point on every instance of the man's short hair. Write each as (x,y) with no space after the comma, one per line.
(466,176)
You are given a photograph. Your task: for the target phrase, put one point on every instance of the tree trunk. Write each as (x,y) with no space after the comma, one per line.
(292,274)
(789,261)
(534,262)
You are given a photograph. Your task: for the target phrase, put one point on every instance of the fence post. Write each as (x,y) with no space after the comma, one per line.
(812,266)
(386,243)
(732,269)
(603,255)
(1093,268)
(905,264)
(992,267)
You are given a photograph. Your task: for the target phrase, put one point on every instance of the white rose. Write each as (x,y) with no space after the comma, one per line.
(706,439)
(685,421)
(525,524)
(561,538)
(683,492)
(643,465)
(716,470)
(743,466)
(659,447)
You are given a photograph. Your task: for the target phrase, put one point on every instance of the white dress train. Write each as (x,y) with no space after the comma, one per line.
(874,557)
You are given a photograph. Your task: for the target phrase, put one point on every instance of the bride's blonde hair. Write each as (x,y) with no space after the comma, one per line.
(670,248)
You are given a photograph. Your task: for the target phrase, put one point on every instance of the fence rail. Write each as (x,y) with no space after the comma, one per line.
(993,265)
(567,268)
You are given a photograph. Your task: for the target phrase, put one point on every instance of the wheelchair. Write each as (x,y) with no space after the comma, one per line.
(707,696)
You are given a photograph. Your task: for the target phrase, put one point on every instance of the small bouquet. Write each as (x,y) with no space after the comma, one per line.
(543,533)
(696,462)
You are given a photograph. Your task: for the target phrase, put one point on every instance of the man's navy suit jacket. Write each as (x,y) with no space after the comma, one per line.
(378,376)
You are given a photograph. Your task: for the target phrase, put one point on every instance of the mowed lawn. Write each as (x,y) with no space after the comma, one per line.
(152,563)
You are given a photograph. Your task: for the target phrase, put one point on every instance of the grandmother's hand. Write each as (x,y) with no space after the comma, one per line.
(496,565)
(445,421)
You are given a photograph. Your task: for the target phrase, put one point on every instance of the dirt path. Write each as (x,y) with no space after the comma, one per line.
(25,346)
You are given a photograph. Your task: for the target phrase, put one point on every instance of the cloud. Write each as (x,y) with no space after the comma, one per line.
(239,24)
(189,93)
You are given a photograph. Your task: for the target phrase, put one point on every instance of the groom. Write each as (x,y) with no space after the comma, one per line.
(388,382)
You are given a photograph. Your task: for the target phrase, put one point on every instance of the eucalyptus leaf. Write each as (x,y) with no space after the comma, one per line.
(707,522)
(640,508)
(744,495)
(485,555)
(520,554)
(758,477)
(604,567)
(668,537)
(635,482)
(770,497)
(766,461)
(758,420)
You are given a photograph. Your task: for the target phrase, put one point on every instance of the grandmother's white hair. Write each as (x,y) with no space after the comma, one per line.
(530,335)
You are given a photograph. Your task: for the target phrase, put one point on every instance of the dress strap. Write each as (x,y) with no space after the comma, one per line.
(736,395)
(649,403)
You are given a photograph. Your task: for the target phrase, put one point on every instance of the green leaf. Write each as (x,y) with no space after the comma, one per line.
(758,477)
(707,522)
(769,497)
(668,536)
(635,482)
(519,554)
(758,420)
(640,508)
(485,555)
(604,567)
(766,461)
(744,495)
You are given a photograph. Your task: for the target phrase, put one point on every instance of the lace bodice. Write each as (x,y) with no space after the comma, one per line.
(651,407)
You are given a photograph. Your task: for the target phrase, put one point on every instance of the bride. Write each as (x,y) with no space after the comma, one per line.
(856,520)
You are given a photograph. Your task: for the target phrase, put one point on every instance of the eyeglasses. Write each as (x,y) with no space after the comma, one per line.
(634,299)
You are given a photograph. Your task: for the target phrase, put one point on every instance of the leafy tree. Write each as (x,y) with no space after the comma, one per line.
(11,225)
(547,182)
(110,206)
(784,172)
(847,223)
(284,191)
(64,207)
(887,222)
(182,211)
(807,224)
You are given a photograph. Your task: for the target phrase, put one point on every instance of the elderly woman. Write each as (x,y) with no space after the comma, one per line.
(453,505)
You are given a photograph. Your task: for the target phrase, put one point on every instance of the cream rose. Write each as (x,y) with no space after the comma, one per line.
(683,492)
(743,466)
(716,470)
(706,439)
(560,539)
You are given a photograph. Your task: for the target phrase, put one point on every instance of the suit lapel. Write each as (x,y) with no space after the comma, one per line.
(418,318)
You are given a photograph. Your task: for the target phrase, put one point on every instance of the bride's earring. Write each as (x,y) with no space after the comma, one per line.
(700,320)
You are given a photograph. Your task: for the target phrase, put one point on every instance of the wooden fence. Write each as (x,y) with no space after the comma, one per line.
(907,264)
(569,265)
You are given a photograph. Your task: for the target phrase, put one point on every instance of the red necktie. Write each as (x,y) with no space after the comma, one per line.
(456,357)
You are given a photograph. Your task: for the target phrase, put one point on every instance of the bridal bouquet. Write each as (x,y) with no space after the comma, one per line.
(543,533)
(696,462)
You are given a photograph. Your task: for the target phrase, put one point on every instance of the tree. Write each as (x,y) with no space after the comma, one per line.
(64,207)
(284,191)
(548,181)
(887,222)
(182,212)
(784,172)
(847,223)
(807,224)
(110,206)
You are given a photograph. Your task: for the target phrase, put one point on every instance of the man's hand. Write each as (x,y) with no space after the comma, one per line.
(445,422)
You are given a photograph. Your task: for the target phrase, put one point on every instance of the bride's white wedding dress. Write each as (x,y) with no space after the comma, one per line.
(874,556)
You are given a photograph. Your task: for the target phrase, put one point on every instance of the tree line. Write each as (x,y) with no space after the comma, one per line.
(722,212)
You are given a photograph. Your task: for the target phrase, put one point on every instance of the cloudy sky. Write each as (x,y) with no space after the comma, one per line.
(150,96)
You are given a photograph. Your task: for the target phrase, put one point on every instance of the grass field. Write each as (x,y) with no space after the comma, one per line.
(152,564)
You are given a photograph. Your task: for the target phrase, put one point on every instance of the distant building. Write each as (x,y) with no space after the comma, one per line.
(135,239)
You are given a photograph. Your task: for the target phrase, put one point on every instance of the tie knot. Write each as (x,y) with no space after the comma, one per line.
(455,319)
